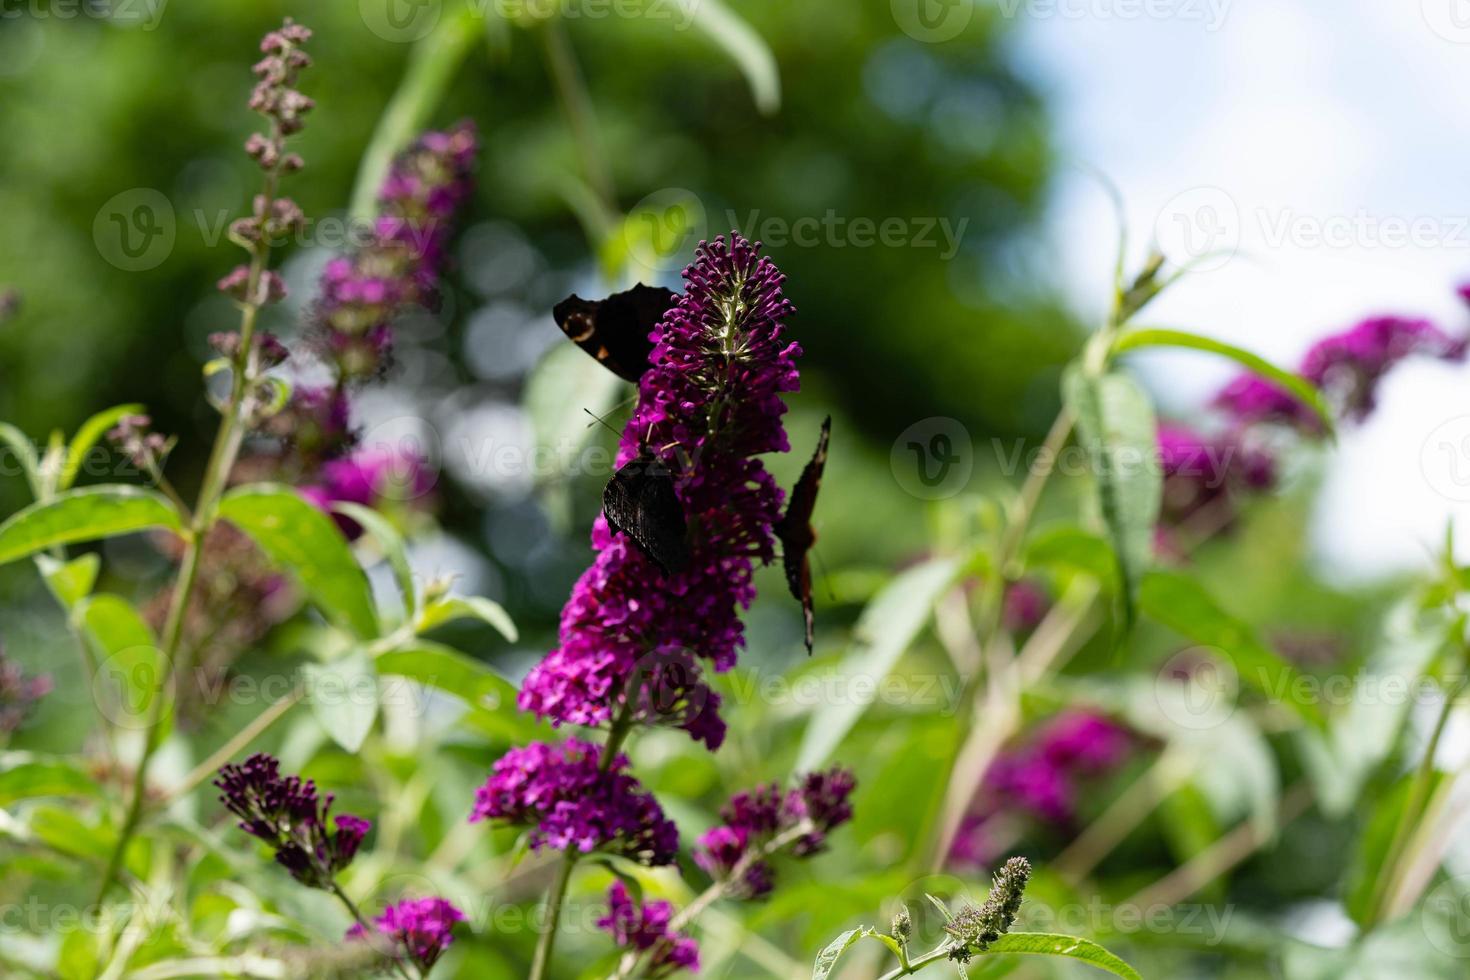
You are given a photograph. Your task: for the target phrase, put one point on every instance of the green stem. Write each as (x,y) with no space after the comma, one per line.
(556,895)
(914,966)
(368,929)
(1389,871)
(571,89)
(216,475)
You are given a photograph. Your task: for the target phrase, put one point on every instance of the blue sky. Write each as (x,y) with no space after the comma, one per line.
(1324,144)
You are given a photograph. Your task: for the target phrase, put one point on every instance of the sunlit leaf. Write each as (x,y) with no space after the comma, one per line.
(84,515)
(344,696)
(744,46)
(455,607)
(88,436)
(306,541)
(132,671)
(25,455)
(394,550)
(490,697)
(828,957)
(1072,947)
(70,581)
(33,780)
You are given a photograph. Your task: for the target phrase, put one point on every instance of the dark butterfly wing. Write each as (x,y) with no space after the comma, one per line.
(615,330)
(640,502)
(796,535)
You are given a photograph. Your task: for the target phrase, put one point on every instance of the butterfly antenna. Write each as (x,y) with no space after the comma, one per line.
(601,420)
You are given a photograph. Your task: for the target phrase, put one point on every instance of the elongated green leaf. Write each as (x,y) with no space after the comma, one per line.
(886,628)
(131,670)
(1179,602)
(1076,549)
(344,696)
(31,780)
(745,47)
(490,697)
(84,515)
(87,436)
(70,581)
(306,541)
(25,455)
(455,607)
(1116,426)
(1072,947)
(827,958)
(1304,390)
(394,550)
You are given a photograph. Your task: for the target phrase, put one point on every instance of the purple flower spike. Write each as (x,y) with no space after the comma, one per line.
(417,929)
(709,402)
(571,803)
(285,812)
(643,928)
(405,255)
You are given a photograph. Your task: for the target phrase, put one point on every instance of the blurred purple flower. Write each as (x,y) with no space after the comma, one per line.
(643,928)
(363,293)
(419,929)
(19,693)
(372,477)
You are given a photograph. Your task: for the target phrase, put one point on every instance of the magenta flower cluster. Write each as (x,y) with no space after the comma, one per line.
(419,930)
(642,928)
(573,803)
(1348,366)
(751,820)
(19,693)
(399,267)
(286,813)
(1040,779)
(709,403)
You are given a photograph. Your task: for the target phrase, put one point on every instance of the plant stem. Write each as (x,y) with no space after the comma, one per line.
(556,895)
(216,474)
(368,929)
(914,966)
(1389,871)
(241,739)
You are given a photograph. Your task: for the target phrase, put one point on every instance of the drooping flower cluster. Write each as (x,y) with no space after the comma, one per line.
(399,266)
(419,930)
(19,693)
(286,813)
(1205,475)
(708,404)
(642,928)
(756,821)
(1348,366)
(571,802)
(1039,780)
(974,928)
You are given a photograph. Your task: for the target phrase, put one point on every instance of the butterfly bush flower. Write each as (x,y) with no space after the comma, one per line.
(708,405)
(643,929)
(19,693)
(373,477)
(419,930)
(286,813)
(571,802)
(400,264)
(974,927)
(1040,780)
(1204,472)
(757,824)
(1348,366)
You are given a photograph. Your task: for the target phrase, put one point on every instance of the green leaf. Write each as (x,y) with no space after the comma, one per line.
(827,958)
(84,515)
(1304,390)
(394,550)
(490,697)
(131,662)
(1369,860)
(1177,601)
(746,48)
(1076,549)
(25,454)
(70,581)
(344,696)
(32,780)
(455,607)
(1072,947)
(1116,426)
(87,436)
(887,627)
(300,537)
